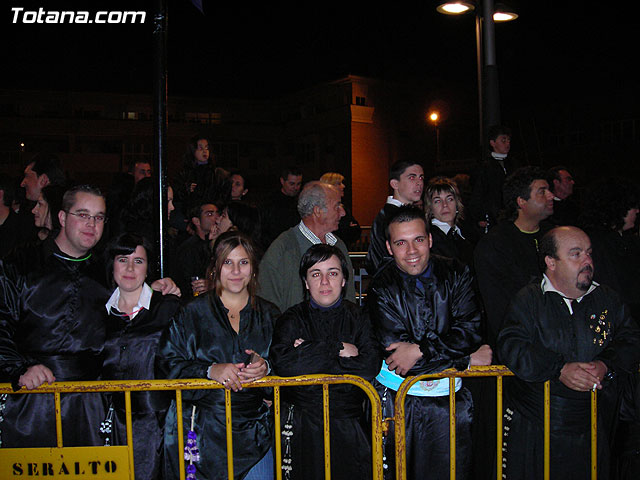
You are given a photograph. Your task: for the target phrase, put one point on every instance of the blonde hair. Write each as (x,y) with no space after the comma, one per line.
(332,178)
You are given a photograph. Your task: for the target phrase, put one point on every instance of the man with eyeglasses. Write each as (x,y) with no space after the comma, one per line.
(51,327)
(52,301)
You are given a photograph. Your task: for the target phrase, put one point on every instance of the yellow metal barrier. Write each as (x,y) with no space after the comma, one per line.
(498,371)
(59,388)
(378,424)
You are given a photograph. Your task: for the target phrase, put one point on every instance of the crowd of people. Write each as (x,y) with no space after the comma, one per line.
(506,269)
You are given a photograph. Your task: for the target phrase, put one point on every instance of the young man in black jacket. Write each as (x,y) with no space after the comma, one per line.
(426,318)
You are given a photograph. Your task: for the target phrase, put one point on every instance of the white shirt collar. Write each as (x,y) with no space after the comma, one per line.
(394,201)
(445,227)
(547,286)
(330,238)
(143,302)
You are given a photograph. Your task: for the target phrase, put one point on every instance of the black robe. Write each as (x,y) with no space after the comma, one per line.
(323,331)
(51,313)
(130,352)
(192,257)
(541,335)
(506,260)
(199,336)
(443,318)
(378,253)
(451,246)
(486,198)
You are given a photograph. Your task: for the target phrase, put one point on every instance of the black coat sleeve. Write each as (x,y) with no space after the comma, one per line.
(13,363)
(320,351)
(447,329)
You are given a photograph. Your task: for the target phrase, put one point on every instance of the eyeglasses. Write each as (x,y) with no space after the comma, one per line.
(87,218)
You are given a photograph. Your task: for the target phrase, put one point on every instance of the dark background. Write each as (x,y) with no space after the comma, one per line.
(561,64)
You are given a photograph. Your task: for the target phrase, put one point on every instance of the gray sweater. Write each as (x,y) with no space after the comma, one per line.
(279,282)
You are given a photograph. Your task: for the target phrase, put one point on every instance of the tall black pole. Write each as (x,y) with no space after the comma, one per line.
(160,120)
(479,60)
(491,94)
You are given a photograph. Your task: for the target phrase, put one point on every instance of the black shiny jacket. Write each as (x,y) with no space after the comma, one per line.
(444,320)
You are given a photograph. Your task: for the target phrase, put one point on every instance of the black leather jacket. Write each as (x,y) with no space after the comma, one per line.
(444,321)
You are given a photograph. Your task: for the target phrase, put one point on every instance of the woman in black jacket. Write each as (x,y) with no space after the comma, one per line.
(324,334)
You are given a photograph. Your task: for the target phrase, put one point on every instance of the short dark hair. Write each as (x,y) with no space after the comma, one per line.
(240,174)
(407,213)
(192,144)
(322,252)
(518,184)
(245,218)
(8,186)
(125,244)
(289,170)
(224,245)
(49,164)
(69,197)
(133,163)
(399,167)
(496,130)
(548,247)
(554,174)
(196,204)
(607,203)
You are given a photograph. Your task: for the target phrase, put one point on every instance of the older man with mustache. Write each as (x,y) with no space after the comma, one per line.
(578,334)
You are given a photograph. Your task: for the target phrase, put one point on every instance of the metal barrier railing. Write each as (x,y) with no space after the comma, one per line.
(378,424)
(498,371)
(127,387)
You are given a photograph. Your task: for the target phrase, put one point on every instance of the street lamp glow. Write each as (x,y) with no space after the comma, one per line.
(503,17)
(454,8)
(434,117)
(504,13)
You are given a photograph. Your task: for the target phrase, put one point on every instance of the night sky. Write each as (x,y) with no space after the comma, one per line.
(559,58)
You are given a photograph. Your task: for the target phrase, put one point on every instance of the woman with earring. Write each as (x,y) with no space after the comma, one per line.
(137,316)
(223,335)
(325,334)
(444,210)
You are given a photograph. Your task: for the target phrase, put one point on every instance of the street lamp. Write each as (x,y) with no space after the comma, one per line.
(488,92)
(434,117)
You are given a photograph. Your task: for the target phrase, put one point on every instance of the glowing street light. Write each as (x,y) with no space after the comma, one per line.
(501,13)
(434,117)
(486,15)
(455,8)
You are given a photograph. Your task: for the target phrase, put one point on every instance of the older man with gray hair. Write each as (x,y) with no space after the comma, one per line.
(320,209)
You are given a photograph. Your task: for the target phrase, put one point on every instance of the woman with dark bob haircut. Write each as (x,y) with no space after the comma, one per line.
(325,334)
(136,318)
(223,335)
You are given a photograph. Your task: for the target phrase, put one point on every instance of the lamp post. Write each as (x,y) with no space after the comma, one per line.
(488,91)
(434,118)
